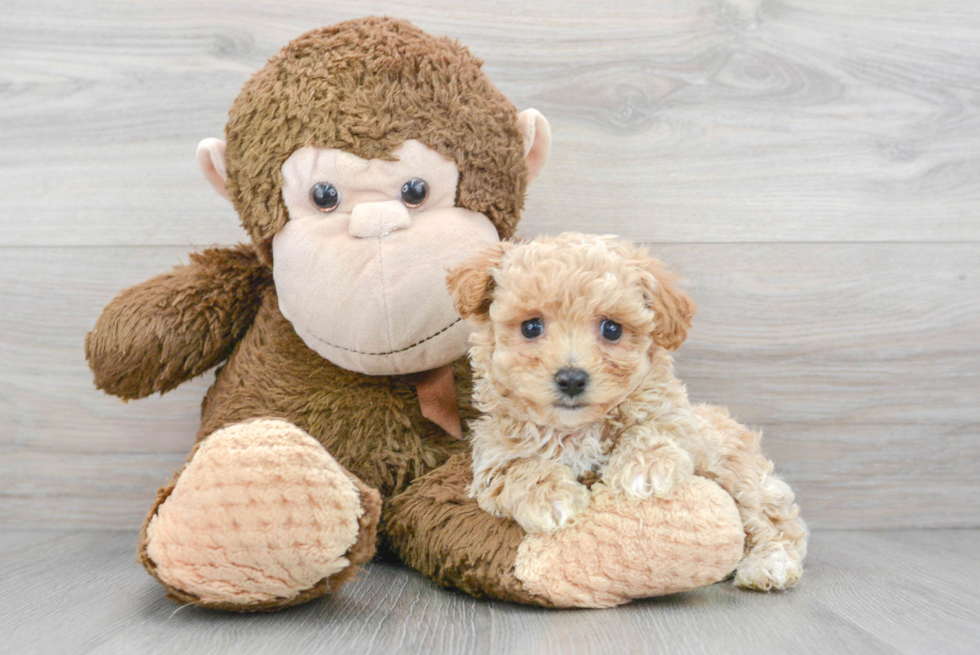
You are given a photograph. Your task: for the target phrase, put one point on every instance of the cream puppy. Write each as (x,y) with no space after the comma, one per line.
(574,379)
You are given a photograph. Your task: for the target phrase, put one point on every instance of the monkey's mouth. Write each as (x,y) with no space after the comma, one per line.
(388,352)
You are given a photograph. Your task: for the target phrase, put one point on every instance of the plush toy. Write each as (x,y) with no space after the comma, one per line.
(364,160)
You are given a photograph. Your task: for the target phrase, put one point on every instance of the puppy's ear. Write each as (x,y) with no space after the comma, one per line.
(673,308)
(471,283)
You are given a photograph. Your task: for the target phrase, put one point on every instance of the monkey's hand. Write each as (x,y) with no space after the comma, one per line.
(645,467)
(173,327)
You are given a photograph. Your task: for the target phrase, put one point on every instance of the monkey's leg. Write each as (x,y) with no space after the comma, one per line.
(261,517)
(775,535)
(617,550)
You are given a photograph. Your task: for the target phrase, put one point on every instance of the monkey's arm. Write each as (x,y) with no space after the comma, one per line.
(173,327)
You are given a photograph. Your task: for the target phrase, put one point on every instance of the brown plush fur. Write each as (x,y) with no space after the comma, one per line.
(436,529)
(174,327)
(372,425)
(366,86)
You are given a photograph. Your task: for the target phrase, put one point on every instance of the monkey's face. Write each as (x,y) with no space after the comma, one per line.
(374,157)
(360,266)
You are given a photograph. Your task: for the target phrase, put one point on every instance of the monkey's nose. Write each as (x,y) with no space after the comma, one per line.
(571,381)
(376,219)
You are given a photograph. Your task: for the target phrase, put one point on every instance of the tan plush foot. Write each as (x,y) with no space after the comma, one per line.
(624,549)
(261,517)
(771,567)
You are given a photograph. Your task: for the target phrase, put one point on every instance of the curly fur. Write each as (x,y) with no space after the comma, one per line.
(635,426)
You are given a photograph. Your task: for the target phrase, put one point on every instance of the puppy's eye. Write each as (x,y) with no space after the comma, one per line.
(611,330)
(532,328)
(325,197)
(414,192)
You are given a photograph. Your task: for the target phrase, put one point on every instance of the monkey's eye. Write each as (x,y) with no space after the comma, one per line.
(325,197)
(532,328)
(414,192)
(611,330)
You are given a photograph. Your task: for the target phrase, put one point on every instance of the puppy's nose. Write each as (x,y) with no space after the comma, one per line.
(571,381)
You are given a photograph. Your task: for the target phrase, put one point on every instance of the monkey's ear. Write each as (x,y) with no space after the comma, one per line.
(211,159)
(673,308)
(536,133)
(471,283)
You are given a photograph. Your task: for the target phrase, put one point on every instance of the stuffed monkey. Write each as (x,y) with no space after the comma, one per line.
(364,160)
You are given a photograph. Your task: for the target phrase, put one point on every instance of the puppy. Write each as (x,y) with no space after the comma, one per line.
(573,376)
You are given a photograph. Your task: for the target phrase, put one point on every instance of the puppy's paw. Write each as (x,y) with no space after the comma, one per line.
(771,567)
(551,505)
(641,474)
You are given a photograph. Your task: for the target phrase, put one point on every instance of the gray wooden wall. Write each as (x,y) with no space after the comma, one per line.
(811,166)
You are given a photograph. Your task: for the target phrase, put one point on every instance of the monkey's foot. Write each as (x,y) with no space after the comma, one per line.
(261,517)
(618,549)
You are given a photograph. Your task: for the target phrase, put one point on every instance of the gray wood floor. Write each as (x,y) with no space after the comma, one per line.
(864,592)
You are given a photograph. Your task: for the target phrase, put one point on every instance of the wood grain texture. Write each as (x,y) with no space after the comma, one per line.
(906,592)
(673,121)
(812,166)
(857,360)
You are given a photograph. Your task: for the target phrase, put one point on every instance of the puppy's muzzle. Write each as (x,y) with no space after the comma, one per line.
(571,381)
